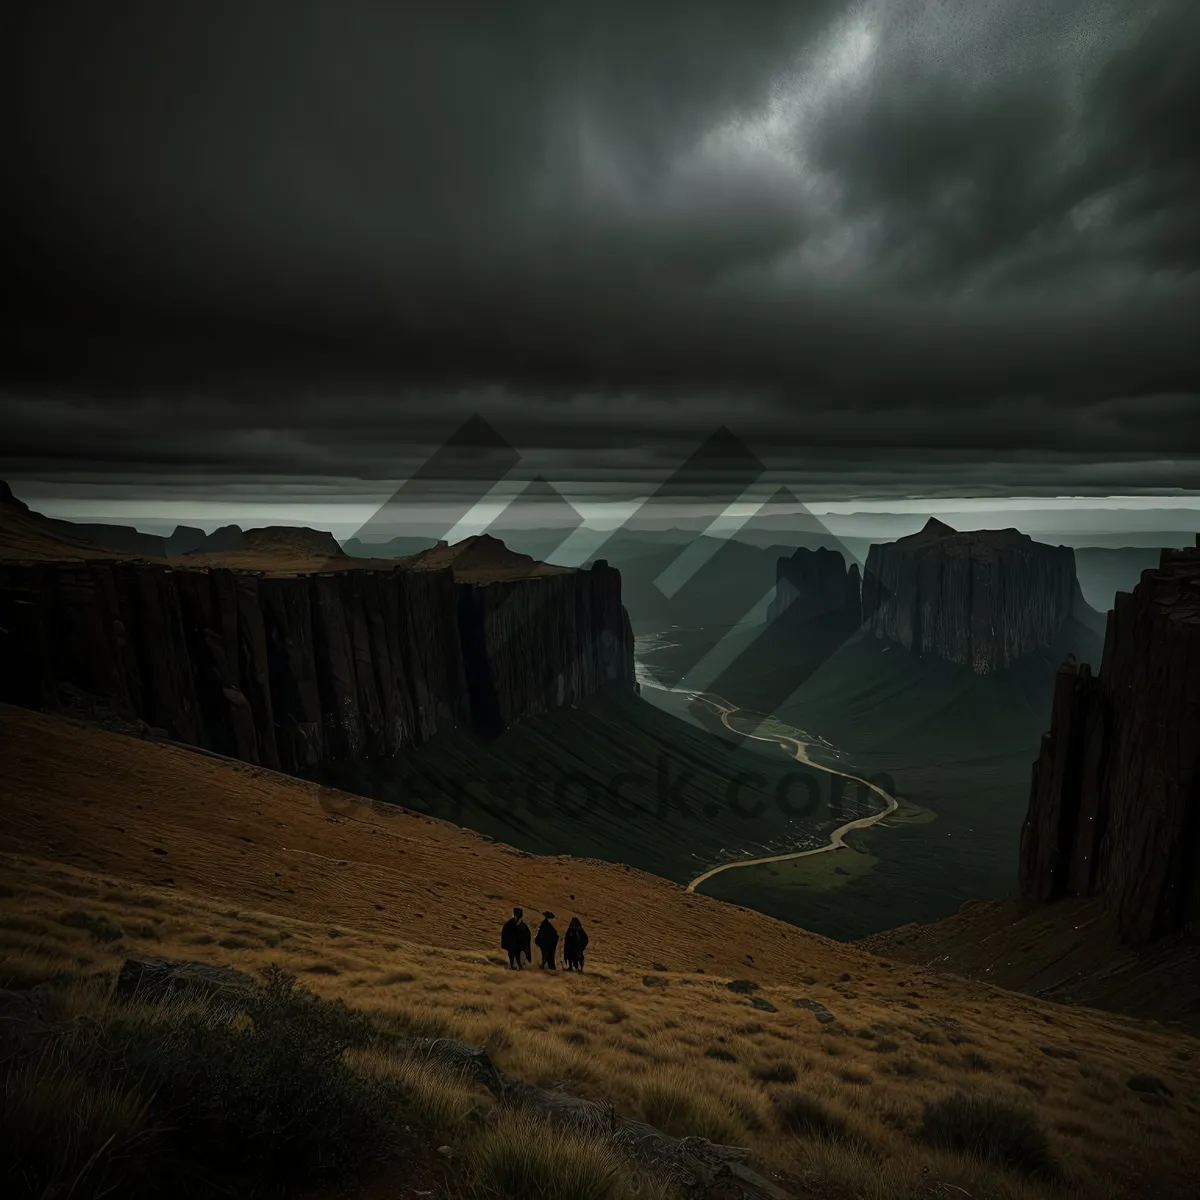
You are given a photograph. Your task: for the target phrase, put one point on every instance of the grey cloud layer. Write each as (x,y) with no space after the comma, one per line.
(905,226)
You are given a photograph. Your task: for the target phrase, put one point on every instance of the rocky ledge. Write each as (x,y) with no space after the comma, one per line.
(1114,807)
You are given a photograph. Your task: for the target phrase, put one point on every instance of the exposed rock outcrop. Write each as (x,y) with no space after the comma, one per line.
(157,980)
(289,669)
(1114,806)
(981,599)
(815,583)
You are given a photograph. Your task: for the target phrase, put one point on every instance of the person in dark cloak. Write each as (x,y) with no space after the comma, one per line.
(574,944)
(514,938)
(547,941)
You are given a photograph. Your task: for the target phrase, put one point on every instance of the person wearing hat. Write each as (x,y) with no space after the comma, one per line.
(547,941)
(514,938)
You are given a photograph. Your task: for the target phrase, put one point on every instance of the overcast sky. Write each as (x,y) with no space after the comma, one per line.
(898,248)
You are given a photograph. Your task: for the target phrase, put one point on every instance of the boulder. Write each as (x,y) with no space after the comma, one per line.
(156,980)
(742,986)
(816,1008)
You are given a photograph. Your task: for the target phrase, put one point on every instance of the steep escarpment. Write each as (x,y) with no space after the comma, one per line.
(1114,808)
(289,669)
(282,672)
(533,644)
(980,599)
(815,583)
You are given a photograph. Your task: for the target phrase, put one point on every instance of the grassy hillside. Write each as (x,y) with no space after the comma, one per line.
(920,1084)
(616,779)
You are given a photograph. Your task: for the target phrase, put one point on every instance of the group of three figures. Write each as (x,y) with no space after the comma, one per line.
(515,938)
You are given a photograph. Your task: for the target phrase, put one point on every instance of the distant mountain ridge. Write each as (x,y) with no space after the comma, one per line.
(816,583)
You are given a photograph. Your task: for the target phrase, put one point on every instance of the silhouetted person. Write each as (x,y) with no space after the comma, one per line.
(514,938)
(547,941)
(575,942)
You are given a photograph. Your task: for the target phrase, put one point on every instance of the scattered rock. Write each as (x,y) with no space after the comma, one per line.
(817,1008)
(719,1054)
(102,928)
(763,1005)
(655,981)
(1058,1052)
(153,980)
(1150,1084)
(742,986)
(654,966)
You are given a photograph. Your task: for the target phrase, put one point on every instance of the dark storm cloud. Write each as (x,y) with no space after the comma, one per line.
(1061,145)
(304,238)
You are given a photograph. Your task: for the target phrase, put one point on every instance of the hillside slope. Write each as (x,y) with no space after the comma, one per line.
(175,817)
(155,847)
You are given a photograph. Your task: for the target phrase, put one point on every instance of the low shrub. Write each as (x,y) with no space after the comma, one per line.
(142,1099)
(780,1072)
(991,1129)
(804,1113)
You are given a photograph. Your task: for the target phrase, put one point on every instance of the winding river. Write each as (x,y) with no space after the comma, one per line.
(799,751)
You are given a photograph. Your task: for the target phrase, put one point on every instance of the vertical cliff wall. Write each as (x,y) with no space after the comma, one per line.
(815,583)
(531,645)
(288,671)
(980,599)
(1114,804)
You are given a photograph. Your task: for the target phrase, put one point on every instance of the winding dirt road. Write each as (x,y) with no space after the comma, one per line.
(799,751)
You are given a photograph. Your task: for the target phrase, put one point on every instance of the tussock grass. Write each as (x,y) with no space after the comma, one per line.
(803,1113)
(523,1158)
(441,1098)
(520,1157)
(696,1052)
(65,1133)
(989,1128)
(675,1102)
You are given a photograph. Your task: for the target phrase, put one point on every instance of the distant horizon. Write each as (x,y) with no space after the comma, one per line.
(867,517)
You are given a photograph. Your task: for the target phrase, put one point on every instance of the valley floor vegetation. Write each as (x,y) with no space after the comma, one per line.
(310,1084)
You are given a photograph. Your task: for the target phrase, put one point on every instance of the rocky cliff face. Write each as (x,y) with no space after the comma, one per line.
(815,583)
(288,670)
(534,644)
(1114,806)
(980,599)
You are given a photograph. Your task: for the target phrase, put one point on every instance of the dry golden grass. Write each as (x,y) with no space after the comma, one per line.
(384,909)
(650,1051)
